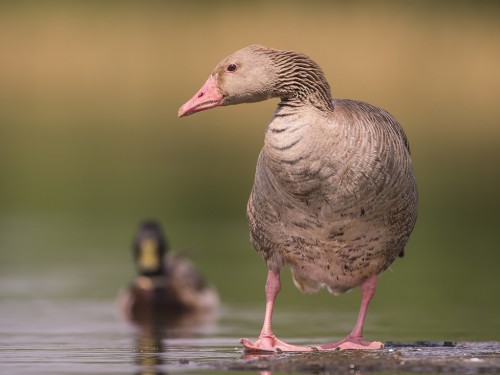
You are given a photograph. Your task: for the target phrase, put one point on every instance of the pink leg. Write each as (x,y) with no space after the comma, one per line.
(355,339)
(267,341)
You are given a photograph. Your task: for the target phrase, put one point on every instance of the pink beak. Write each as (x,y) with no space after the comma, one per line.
(207,97)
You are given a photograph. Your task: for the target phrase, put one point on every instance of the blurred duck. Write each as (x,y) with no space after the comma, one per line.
(167,288)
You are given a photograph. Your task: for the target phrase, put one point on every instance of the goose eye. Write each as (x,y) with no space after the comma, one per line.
(231,67)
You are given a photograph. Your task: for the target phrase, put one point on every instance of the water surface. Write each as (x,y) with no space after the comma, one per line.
(58,333)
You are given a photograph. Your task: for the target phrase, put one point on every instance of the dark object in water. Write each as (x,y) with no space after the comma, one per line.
(167,289)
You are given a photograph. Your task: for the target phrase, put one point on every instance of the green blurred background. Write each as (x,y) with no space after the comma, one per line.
(90,144)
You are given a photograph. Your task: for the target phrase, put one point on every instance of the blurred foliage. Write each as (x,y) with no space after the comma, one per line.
(90,143)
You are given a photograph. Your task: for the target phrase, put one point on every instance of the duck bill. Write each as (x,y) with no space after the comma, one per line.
(207,97)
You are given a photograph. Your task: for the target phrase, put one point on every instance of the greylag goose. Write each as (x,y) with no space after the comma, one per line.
(167,288)
(334,196)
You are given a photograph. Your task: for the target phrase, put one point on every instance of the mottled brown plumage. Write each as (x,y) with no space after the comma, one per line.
(335,196)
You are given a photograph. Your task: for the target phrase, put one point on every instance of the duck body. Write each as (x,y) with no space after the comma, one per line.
(180,290)
(334,197)
(168,288)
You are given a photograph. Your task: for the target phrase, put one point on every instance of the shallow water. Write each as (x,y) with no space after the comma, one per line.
(61,335)
(88,336)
